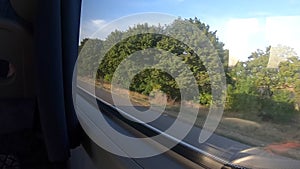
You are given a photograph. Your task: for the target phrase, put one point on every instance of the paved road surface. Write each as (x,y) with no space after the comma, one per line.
(219,146)
(226,149)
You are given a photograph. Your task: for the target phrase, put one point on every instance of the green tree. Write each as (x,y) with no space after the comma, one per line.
(263,90)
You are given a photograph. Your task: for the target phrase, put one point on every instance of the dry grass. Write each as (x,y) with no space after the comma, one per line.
(246,129)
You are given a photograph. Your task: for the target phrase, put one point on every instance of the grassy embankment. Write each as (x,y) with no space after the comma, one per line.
(245,128)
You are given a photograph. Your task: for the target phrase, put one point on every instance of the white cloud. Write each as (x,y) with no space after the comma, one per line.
(244,36)
(260,13)
(124,23)
(89,28)
(284,31)
(99,22)
(101,29)
(240,37)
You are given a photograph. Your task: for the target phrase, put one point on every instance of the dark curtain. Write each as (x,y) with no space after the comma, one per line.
(56,34)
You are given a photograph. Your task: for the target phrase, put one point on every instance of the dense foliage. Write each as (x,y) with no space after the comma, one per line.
(270,91)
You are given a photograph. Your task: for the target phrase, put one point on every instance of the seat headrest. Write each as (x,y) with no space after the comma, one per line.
(25,9)
(16,53)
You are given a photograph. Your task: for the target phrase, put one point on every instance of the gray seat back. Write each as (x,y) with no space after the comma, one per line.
(17,96)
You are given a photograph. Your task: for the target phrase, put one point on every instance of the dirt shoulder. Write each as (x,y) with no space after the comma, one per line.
(254,132)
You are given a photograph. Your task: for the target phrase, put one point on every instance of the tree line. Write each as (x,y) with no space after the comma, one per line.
(269,91)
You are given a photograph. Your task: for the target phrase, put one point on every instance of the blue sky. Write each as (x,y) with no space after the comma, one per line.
(242,25)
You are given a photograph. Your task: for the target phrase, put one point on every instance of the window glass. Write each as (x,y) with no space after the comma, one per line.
(230,69)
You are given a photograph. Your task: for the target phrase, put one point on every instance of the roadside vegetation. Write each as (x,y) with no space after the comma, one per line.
(263,93)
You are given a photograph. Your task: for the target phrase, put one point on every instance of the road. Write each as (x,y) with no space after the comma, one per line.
(217,147)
